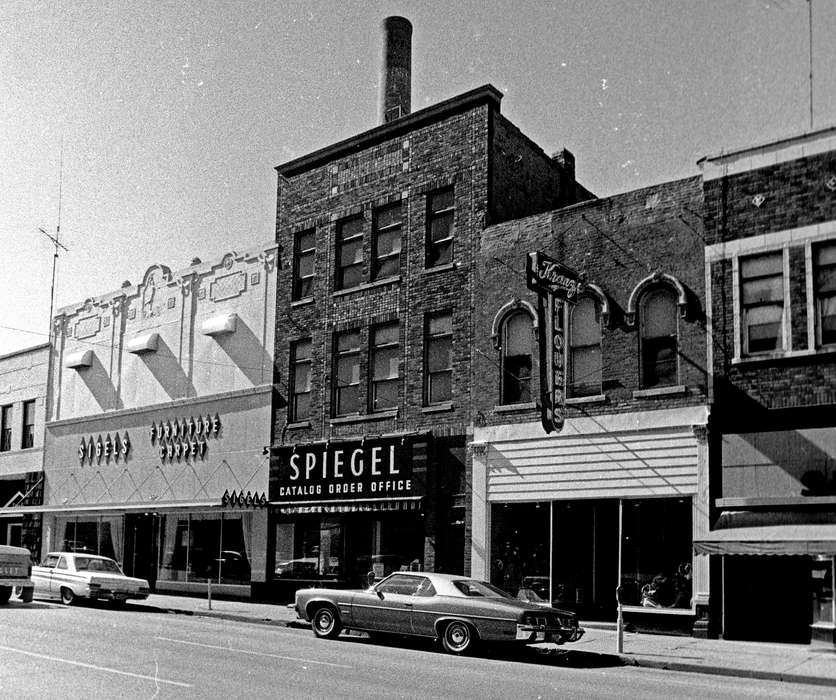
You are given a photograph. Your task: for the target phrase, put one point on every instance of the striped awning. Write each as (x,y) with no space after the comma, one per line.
(412,503)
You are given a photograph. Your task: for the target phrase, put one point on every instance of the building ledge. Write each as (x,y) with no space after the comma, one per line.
(596,398)
(367,286)
(512,407)
(438,408)
(677,390)
(365,417)
(773,501)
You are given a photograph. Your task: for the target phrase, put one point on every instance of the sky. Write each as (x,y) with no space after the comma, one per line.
(147,131)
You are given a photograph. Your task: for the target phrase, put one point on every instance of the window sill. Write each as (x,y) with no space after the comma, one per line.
(783,355)
(511,407)
(302,302)
(578,400)
(298,425)
(366,286)
(438,408)
(677,390)
(365,417)
(439,268)
(657,611)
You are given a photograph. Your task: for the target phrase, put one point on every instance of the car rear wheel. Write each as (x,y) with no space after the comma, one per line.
(67,596)
(458,637)
(326,623)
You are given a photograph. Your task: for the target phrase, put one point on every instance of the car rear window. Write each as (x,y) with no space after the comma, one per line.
(479,589)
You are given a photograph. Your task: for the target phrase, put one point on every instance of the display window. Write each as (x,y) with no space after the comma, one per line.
(203,547)
(101,535)
(345,548)
(822,578)
(568,553)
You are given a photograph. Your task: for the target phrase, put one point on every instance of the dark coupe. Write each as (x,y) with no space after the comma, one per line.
(459,611)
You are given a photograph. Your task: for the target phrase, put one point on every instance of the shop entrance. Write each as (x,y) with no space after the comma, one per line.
(767,599)
(141,536)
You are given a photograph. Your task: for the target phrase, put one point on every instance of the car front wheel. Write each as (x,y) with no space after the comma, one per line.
(457,638)
(67,596)
(326,623)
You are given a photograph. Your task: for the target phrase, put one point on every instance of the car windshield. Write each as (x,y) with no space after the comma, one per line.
(90,564)
(479,589)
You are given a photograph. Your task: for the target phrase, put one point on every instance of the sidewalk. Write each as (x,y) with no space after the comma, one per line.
(766,661)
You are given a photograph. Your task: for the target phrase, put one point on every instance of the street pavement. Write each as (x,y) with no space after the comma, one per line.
(765,661)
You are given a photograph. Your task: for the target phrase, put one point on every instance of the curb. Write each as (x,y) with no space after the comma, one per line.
(627,660)
(726,671)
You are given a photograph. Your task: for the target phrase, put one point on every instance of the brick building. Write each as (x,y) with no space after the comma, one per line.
(619,494)
(770,226)
(380,238)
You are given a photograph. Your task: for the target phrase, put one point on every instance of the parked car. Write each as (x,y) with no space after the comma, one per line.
(459,611)
(73,575)
(15,573)
(305,567)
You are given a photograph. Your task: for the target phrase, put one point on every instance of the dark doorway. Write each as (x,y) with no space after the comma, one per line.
(767,599)
(141,536)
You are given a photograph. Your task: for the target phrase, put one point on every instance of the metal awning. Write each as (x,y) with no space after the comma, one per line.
(796,539)
(410,503)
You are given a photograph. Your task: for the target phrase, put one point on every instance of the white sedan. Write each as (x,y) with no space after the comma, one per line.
(69,576)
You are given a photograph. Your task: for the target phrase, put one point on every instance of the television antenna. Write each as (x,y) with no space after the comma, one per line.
(56,239)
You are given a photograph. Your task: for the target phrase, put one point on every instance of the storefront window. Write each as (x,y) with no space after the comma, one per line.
(656,553)
(520,549)
(347,547)
(206,546)
(823,611)
(97,535)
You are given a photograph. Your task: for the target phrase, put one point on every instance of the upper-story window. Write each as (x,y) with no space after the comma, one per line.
(762,303)
(28,437)
(346,374)
(438,358)
(384,360)
(304,252)
(386,242)
(585,371)
(515,360)
(658,338)
(824,260)
(300,377)
(440,223)
(349,270)
(5,428)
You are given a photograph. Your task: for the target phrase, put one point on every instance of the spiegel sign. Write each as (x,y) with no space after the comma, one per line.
(555,284)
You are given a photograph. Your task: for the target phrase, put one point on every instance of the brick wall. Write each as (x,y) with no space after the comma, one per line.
(618,242)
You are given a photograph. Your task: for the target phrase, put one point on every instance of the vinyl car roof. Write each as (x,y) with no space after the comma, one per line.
(443,583)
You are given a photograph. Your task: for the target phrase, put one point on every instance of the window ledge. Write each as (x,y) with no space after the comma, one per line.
(439,268)
(595,398)
(657,611)
(677,390)
(302,302)
(298,425)
(365,417)
(511,407)
(783,355)
(366,286)
(438,408)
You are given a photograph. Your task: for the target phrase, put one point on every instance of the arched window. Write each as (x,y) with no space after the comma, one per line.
(516,336)
(658,319)
(584,349)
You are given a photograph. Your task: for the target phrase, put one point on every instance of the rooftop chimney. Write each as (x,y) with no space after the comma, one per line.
(396,69)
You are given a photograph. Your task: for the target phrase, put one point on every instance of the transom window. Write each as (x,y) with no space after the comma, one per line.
(585,349)
(516,359)
(349,270)
(386,242)
(438,358)
(300,390)
(440,220)
(346,373)
(384,363)
(824,261)
(762,303)
(303,264)
(658,338)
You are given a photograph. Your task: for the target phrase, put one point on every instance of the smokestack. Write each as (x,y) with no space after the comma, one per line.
(396,69)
